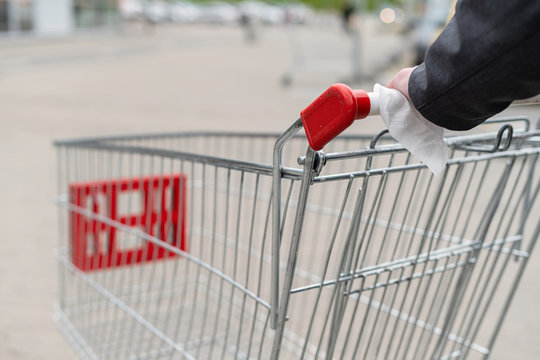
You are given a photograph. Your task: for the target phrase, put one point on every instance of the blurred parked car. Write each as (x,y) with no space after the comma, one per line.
(156,11)
(264,12)
(220,12)
(153,11)
(297,13)
(186,12)
(217,12)
(131,9)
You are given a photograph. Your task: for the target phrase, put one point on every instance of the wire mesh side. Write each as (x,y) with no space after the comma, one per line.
(393,263)
(408,265)
(206,300)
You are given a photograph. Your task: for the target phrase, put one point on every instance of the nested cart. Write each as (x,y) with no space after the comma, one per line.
(246,246)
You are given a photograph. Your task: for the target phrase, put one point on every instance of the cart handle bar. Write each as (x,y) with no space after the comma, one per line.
(334,111)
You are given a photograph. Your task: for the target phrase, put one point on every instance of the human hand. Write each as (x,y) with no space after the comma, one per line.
(400,81)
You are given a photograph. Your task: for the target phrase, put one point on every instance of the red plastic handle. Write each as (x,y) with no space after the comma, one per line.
(333,112)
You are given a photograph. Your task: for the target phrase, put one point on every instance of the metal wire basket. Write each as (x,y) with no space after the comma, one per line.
(246,246)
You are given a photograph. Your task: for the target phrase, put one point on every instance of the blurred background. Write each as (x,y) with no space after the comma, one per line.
(74,68)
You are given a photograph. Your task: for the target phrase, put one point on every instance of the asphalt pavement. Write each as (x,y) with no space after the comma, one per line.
(174,78)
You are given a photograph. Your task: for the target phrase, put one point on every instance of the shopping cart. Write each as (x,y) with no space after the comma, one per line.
(246,246)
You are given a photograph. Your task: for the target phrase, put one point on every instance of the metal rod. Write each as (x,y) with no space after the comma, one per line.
(293,252)
(276,217)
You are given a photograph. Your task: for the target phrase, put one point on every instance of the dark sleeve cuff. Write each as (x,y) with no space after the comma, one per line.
(486,57)
(453,111)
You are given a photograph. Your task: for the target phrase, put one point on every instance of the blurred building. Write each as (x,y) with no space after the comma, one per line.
(55,17)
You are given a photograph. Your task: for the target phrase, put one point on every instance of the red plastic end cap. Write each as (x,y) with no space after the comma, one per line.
(363,104)
(333,112)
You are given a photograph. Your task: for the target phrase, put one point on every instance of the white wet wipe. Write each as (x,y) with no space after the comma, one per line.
(417,134)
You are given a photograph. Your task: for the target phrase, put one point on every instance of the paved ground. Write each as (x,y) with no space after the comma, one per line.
(175,79)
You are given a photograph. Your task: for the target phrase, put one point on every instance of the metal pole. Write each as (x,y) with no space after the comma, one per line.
(307,178)
(276,218)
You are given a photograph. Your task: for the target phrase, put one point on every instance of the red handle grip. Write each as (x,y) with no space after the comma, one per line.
(333,112)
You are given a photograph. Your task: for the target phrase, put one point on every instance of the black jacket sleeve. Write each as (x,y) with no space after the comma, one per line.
(487,56)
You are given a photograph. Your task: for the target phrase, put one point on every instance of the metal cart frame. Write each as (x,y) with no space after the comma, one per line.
(183,236)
